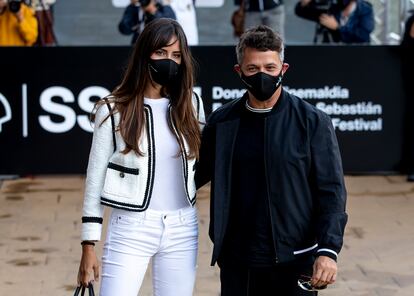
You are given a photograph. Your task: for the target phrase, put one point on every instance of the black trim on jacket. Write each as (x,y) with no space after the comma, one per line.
(92,220)
(151,157)
(183,155)
(123,169)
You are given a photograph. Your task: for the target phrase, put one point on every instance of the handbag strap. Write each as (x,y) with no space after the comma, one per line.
(198,105)
(112,122)
(82,289)
(91,291)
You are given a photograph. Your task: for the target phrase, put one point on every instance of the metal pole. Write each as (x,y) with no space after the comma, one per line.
(386,28)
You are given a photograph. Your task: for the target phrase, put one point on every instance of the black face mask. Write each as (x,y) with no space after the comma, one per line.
(164,71)
(262,85)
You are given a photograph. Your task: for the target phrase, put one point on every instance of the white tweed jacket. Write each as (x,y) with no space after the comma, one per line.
(125,181)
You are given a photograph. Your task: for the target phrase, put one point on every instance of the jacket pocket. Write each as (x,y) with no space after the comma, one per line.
(121,181)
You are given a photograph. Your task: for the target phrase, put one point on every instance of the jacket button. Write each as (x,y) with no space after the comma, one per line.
(121,174)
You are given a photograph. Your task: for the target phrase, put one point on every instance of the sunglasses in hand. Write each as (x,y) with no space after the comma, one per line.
(305,283)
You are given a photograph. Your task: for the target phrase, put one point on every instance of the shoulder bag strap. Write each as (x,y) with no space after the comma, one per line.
(112,121)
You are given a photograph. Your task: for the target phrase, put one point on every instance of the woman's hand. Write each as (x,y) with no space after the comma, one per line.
(89,266)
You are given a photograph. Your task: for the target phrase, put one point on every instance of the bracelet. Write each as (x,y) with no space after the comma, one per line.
(87,243)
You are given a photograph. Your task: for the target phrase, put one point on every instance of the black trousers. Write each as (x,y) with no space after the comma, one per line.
(281,280)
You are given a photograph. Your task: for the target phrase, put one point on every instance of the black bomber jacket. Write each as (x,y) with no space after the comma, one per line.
(303,170)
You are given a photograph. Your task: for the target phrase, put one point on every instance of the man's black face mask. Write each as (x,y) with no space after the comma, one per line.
(262,85)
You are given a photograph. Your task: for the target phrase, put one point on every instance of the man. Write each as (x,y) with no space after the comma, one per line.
(18,25)
(264,12)
(347,21)
(277,188)
(45,19)
(141,12)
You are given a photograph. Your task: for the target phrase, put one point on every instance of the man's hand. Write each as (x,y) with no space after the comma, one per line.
(324,271)
(329,21)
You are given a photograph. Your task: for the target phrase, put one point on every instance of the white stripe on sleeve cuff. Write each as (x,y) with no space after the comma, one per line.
(329,251)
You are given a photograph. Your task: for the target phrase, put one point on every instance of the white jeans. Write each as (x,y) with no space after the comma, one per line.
(169,238)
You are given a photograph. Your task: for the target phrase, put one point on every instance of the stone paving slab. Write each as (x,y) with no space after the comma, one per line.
(40,233)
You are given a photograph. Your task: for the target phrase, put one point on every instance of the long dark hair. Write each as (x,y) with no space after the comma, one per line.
(129,95)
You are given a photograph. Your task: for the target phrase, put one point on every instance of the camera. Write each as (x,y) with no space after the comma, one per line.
(14,5)
(325,6)
(330,6)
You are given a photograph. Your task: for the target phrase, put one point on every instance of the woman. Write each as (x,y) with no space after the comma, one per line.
(144,170)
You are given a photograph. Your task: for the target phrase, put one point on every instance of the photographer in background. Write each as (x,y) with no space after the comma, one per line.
(139,13)
(44,15)
(18,25)
(339,21)
(264,12)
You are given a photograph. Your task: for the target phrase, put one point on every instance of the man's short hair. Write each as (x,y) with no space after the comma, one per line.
(261,38)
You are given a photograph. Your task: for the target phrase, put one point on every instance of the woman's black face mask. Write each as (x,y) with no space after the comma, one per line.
(164,71)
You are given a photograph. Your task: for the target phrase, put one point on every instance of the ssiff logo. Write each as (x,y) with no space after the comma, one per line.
(8,114)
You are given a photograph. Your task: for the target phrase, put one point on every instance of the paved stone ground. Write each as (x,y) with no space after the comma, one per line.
(40,251)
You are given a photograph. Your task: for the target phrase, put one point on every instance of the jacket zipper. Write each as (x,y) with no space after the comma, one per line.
(267,190)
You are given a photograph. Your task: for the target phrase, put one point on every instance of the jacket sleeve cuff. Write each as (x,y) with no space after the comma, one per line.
(328,253)
(91,231)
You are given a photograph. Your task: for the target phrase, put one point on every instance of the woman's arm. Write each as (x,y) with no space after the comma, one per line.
(100,153)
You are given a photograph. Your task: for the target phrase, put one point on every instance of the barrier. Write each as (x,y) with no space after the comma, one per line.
(46,95)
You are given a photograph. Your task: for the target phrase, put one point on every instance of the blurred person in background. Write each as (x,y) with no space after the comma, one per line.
(339,21)
(407,45)
(18,24)
(408,38)
(186,16)
(139,13)
(264,12)
(44,16)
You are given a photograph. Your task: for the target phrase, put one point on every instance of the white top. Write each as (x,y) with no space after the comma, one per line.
(344,19)
(257,110)
(168,193)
